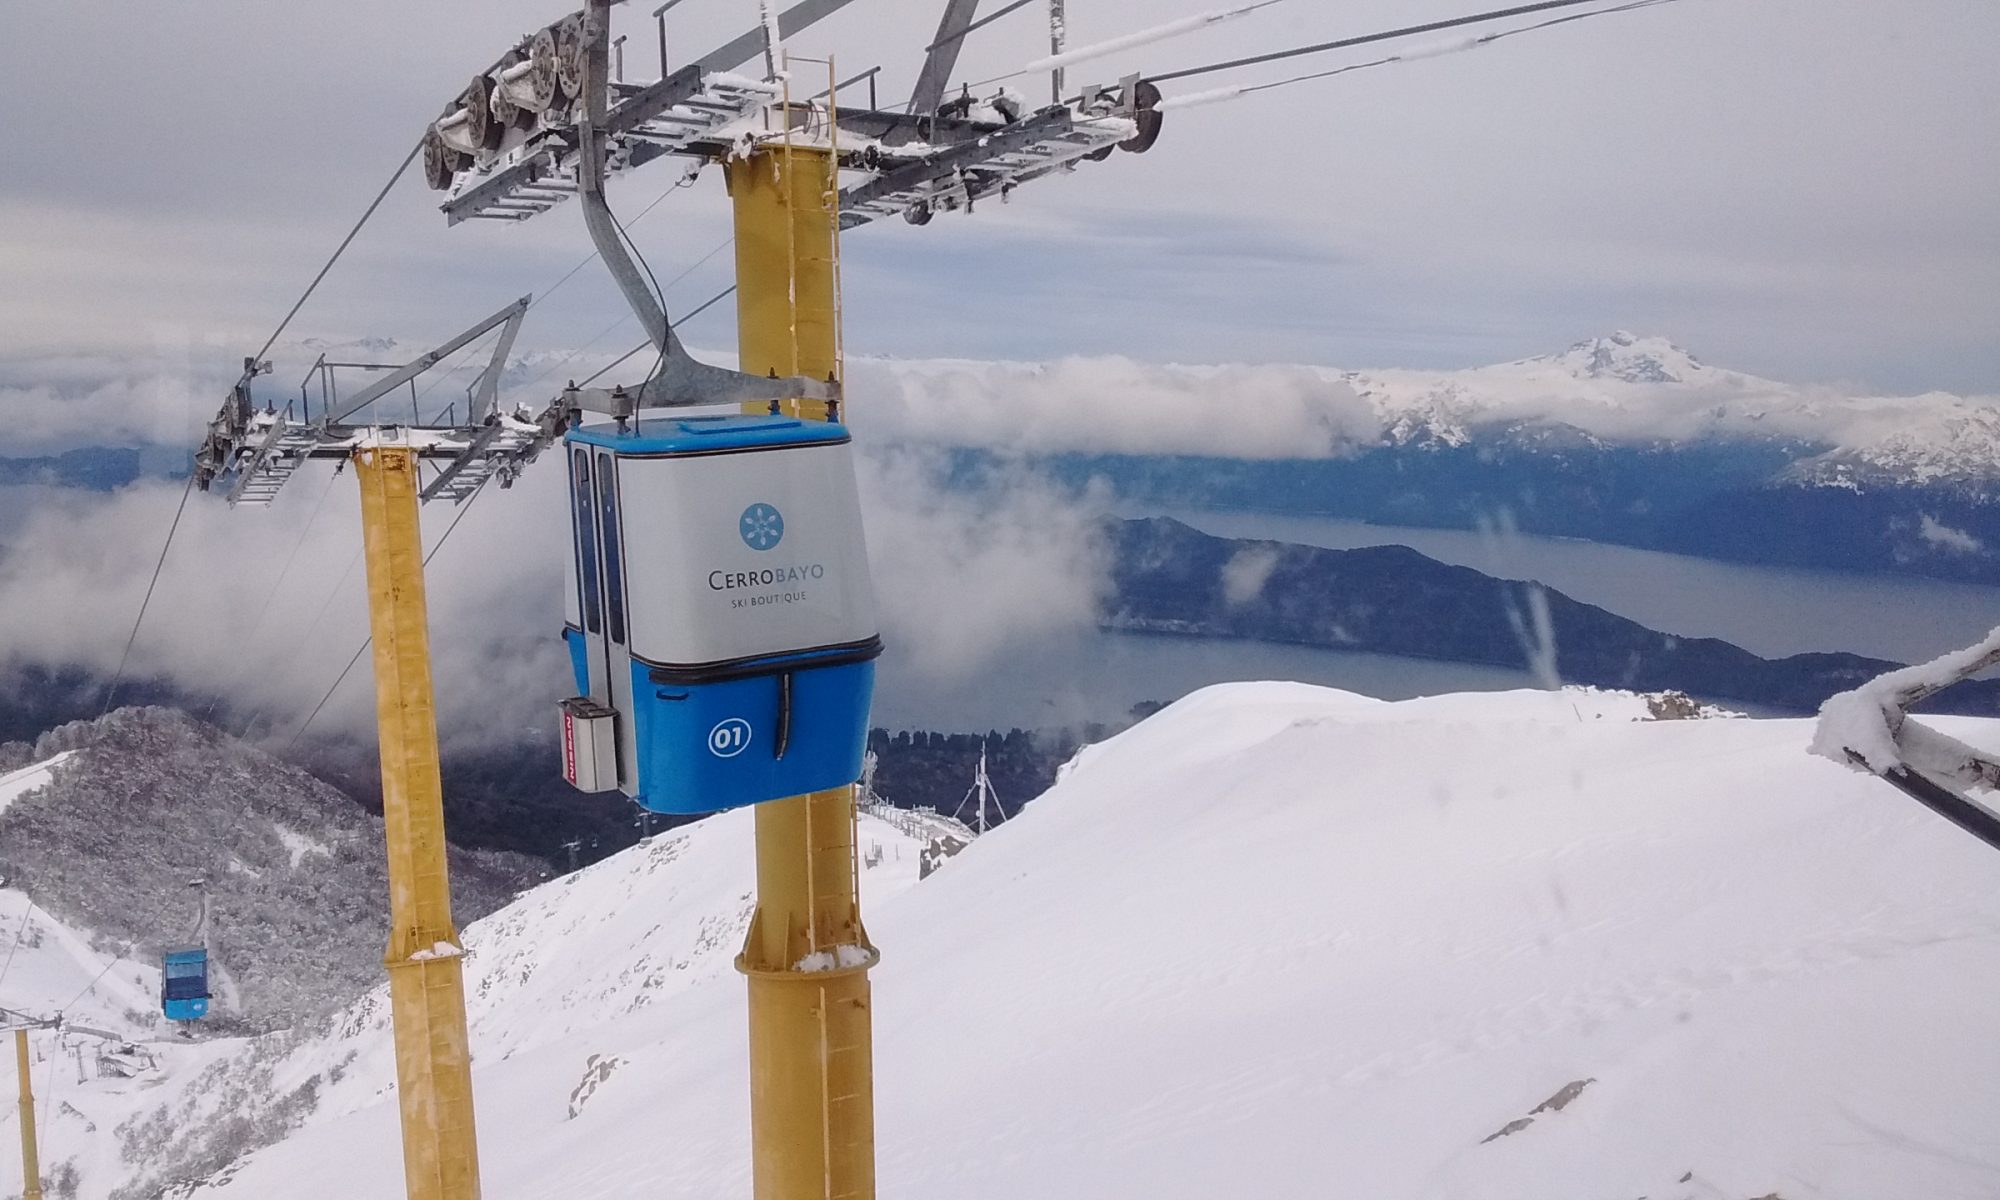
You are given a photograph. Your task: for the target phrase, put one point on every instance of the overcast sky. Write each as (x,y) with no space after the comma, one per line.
(1800,188)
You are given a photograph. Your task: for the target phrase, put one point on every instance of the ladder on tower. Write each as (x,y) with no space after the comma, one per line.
(278,448)
(959,176)
(667,117)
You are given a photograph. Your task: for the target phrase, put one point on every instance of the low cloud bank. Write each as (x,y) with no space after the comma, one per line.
(265,607)
(1113,405)
(1621,389)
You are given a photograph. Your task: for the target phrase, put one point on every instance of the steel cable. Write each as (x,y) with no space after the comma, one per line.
(1500,14)
(342,248)
(1488,40)
(20,933)
(111,692)
(704,306)
(370,640)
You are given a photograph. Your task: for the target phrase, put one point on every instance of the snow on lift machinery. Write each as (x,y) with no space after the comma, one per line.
(1924,763)
(720,621)
(184,992)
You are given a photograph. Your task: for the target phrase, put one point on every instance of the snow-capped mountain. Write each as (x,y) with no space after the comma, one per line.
(1608,390)
(1632,358)
(1625,439)
(1623,389)
(1628,390)
(1276,941)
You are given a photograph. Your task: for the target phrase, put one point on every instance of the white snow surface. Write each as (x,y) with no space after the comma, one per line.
(1281,941)
(1619,389)
(299,845)
(52,968)
(16,784)
(628,936)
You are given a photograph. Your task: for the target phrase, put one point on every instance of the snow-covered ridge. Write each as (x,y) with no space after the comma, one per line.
(624,937)
(1283,941)
(113,818)
(31,778)
(1622,389)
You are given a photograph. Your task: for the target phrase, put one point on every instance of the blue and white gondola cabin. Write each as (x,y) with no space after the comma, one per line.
(184,984)
(720,614)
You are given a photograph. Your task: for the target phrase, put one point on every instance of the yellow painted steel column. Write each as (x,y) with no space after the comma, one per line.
(787,299)
(426,978)
(31,1160)
(812,1086)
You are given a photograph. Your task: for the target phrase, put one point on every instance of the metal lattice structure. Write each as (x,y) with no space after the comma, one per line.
(258,450)
(545,124)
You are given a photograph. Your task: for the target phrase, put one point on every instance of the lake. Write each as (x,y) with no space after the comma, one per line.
(1771,611)
(1098,675)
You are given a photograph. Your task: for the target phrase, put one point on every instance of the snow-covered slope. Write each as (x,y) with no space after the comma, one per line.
(1280,941)
(31,778)
(1621,389)
(50,967)
(112,1048)
(630,935)
(112,818)
(46,966)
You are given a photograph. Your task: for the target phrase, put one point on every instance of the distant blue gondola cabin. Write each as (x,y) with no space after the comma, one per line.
(184,984)
(720,616)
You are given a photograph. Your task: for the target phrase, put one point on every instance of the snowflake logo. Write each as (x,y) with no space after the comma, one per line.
(762,527)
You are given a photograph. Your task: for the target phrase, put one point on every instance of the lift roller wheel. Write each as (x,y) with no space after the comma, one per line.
(481,127)
(1145,106)
(441,163)
(505,109)
(542,53)
(569,55)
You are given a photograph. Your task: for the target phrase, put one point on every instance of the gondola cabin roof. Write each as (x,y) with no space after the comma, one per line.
(674,437)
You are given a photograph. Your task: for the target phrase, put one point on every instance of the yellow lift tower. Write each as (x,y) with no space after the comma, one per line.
(812,1089)
(258,451)
(426,972)
(31,1161)
(20,1023)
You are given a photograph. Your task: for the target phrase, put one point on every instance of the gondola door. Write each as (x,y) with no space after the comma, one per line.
(601,582)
